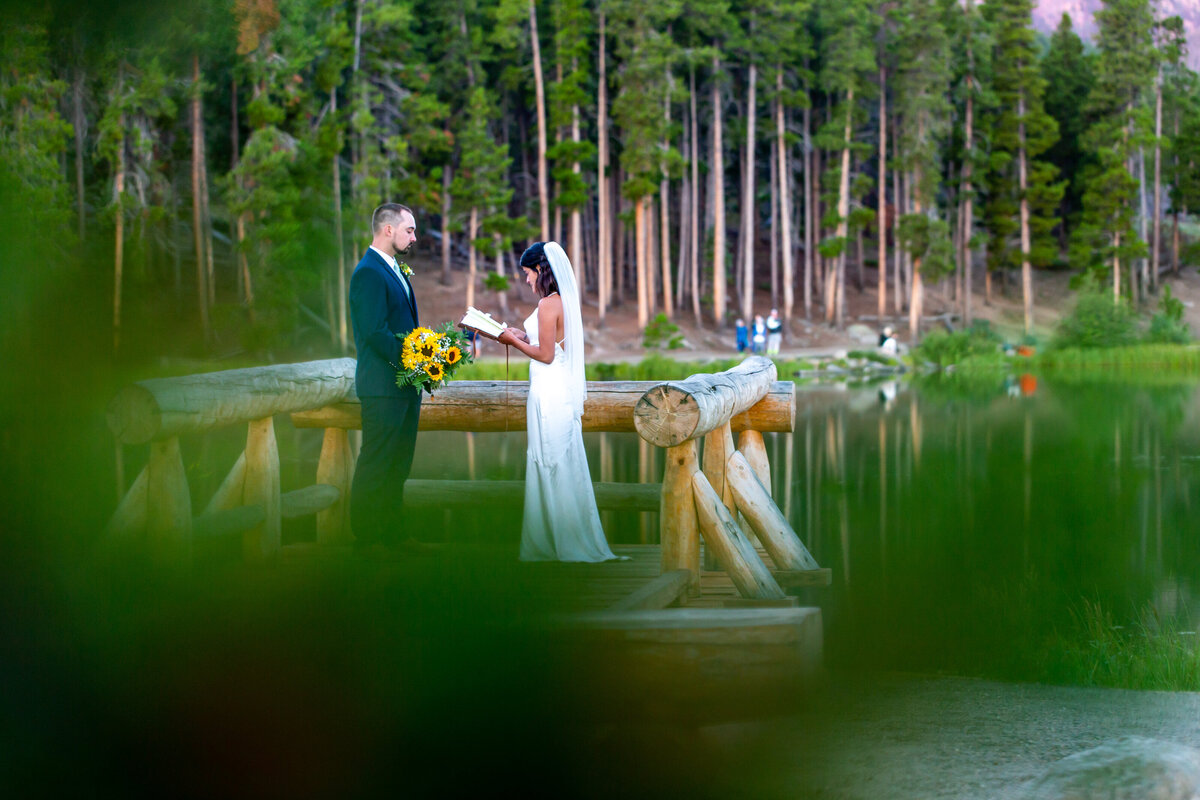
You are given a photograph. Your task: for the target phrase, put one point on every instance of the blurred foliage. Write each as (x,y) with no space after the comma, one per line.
(1097,320)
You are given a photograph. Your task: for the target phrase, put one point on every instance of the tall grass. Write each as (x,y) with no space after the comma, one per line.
(1136,360)
(651,368)
(1149,653)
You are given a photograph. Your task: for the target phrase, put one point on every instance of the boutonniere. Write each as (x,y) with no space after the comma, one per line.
(405,268)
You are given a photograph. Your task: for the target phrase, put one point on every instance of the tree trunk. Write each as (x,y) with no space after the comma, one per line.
(968,186)
(1143,219)
(1156,233)
(694,227)
(339,237)
(898,209)
(639,226)
(498,243)
(446,236)
(603,219)
(683,257)
(1116,268)
(246,285)
(808,208)
(844,214)
(575,220)
(80,120)
(664,211)
(748,196)
(718,200)
(785,200)
(915,298)
(773,222)
(540,89)
(1023,189)
(882,217)
(472,232)
(119,233)
(202,293)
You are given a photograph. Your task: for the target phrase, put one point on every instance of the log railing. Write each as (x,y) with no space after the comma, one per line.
(696,498)
(704,498)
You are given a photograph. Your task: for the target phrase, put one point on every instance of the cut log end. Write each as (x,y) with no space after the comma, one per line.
(666,416)
(133,415)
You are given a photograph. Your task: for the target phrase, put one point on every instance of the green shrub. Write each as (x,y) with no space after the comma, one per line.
(1167,326)
(1097,321)
(662,330)
(943,349)
(496,282)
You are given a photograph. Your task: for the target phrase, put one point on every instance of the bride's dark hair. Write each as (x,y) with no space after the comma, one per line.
(534,258)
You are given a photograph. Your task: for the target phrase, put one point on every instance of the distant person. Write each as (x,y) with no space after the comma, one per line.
(473,340)
(887,342)
(774,332)
(758,340)
(743,335)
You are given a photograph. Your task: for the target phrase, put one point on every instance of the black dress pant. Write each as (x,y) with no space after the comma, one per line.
(389,437)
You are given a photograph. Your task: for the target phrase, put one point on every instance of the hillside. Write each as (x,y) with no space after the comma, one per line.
(1047,13)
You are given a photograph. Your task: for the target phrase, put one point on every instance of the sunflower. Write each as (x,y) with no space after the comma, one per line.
(452,355)
(418,348)
(435,370)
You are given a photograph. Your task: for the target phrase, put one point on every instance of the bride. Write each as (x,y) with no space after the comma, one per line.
(561,521)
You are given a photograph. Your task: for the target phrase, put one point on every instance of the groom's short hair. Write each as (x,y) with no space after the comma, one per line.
(388,214)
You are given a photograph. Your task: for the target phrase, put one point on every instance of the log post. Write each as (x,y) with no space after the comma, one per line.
(756,505)
(130,516)
(229,493)
(734,552)
(168,502)
(261,542)
(718,447)
(752,446)
(336,468)
(678,527)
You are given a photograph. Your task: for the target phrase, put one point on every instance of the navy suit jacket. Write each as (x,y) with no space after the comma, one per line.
(380,308)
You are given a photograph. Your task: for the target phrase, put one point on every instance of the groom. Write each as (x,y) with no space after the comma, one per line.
(382,305)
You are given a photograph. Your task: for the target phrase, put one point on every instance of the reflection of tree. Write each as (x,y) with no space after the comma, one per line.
(1014,513)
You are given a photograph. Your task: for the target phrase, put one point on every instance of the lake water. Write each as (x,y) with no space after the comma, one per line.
(970,529)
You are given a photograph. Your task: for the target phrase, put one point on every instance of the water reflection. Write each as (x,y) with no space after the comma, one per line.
(996,515)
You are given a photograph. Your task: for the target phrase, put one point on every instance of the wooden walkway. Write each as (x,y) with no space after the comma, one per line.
(595,587)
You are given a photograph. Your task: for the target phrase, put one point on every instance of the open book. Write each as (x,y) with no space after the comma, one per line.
(481,322)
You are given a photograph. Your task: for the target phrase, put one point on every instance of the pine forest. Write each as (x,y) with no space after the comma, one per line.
(218,162)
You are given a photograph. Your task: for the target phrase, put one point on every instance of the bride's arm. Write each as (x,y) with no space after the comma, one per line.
(549,314)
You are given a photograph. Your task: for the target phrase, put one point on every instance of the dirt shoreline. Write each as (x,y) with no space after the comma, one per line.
(915,737)
(619,337)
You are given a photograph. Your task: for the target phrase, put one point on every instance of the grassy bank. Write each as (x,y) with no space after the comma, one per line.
(1133,360)
(1146,653)
(652,368)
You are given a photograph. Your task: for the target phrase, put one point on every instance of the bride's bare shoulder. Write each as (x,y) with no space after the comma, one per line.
(550,304)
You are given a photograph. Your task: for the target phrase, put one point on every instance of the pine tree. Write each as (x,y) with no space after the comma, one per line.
(646,54)
(567,97)
(924,121)
(480,186)
(1021,195)
(1105,239)
(1069,74)
(847,66)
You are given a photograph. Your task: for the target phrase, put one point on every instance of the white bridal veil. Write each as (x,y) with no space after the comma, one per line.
(568,290)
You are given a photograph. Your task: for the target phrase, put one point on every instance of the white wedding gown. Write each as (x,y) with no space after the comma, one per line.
(561,521)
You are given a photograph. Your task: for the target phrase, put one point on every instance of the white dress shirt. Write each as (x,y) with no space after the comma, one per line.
(391,262)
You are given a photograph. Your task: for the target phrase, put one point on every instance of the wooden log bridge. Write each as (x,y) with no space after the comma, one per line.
(723,540)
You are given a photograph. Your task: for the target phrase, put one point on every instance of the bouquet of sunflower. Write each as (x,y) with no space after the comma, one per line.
(429,358)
